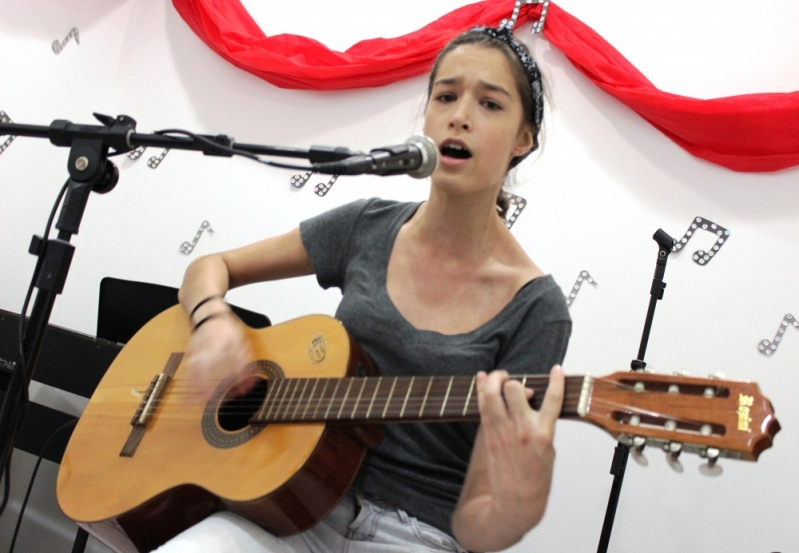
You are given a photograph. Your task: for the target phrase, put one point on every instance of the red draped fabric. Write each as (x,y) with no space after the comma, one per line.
(751,132)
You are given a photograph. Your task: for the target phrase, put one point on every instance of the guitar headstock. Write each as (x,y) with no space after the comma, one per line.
(709,416)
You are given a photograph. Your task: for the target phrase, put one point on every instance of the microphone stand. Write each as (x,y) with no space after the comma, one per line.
(622,451)
(91,171)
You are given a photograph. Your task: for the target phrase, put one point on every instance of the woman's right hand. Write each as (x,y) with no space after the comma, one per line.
(216,349)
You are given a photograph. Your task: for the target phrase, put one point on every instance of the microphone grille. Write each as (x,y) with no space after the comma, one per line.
(429,156)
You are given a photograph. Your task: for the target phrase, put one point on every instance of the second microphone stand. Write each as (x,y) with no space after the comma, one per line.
(622,451)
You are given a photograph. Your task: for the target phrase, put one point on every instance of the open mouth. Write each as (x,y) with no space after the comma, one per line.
(455,150)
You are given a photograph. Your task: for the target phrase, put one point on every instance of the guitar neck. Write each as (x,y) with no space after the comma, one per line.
(392,399)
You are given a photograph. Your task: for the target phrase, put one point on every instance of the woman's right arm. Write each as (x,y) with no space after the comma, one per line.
(219,345)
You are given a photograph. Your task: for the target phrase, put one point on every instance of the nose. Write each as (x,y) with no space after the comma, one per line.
(461,118)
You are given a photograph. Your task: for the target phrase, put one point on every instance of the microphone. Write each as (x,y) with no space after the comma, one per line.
(417,157)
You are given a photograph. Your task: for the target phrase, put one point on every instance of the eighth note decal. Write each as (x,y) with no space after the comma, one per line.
(322,188)
(154,162)
(516,205)
(584,276)
(4,118)
(767,348)
(187,247)
(701,257)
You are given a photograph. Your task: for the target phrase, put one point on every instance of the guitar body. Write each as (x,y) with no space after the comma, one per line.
(189,462)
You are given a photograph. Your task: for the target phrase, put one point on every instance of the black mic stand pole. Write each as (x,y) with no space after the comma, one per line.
(622,451)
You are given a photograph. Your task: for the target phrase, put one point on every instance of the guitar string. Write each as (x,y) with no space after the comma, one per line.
(172,406)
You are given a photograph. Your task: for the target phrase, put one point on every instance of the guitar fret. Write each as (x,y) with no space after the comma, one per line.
(280,385)
(322,395)
(332,397)
(446,397)
(291,399)
(424,401)
(404,403)
(374,395)
(308,403)
(355,408)
(345,398)
(391,393)
(261,414)
(524,381)
(299,400)
(468,397)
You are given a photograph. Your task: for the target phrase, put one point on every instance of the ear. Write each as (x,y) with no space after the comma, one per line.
(524,142)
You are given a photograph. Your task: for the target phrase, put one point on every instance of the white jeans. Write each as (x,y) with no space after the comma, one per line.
(356,525)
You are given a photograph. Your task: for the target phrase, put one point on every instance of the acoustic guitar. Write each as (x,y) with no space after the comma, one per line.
(143,464)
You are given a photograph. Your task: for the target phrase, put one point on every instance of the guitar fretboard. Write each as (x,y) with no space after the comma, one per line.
(391,399)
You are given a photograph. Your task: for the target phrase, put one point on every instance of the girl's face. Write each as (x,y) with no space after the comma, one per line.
(475,117)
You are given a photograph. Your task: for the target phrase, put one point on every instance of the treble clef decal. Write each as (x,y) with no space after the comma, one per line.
(154,162)
(58,45)
(136,153)
(581,278)
(298,181)
(767,348)
(515,206)
(323,188)
(4,118)
(187,247)
(702,257)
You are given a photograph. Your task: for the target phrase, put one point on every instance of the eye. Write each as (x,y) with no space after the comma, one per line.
(492,105)
(445,97)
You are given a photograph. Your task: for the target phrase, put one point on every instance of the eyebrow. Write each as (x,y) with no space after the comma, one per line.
(482,84)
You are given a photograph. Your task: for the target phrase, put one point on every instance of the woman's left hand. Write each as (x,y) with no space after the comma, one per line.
(510,474)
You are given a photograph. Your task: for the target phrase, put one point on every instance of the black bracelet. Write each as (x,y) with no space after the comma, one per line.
(208,318)
(203,302)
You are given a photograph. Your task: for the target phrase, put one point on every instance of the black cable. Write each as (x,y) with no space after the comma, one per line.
(232,151)
(33,477)
(19,370)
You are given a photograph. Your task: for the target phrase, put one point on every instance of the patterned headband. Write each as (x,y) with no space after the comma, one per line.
(505,34)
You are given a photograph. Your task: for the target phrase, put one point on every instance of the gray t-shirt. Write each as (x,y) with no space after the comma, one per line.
(420,468)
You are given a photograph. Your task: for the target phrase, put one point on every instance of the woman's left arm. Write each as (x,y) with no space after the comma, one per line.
(510,473)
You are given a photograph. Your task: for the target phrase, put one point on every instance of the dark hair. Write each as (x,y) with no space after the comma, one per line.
(522,84)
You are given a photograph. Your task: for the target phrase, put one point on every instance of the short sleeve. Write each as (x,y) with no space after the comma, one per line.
(540,341)
(327,239)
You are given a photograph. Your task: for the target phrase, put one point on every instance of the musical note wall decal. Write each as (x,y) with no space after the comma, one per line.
(298,181)
(515,207)
(187,247)
(154,162)
(136,153)
(701,257)
(323,188)
(58,45)
(767,348)
(584,276)
(4,118)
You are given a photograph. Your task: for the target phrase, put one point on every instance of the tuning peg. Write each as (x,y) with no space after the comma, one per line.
(637,450)
(673,450)
(681,373)
(717,375)
(710,468)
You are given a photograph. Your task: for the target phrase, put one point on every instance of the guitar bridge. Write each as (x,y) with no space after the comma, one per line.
(148,405)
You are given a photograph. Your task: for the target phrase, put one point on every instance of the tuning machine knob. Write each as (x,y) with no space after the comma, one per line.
(637,446)
(710,468)
(673,450)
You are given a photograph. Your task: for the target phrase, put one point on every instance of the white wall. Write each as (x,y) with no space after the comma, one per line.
(604,182)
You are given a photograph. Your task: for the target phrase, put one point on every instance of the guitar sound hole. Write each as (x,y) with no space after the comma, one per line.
(235,412)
